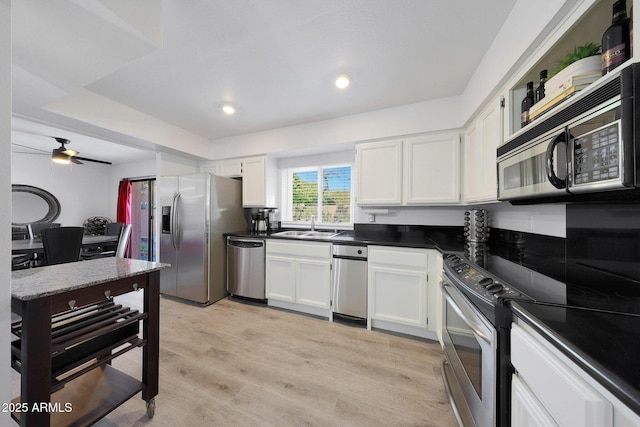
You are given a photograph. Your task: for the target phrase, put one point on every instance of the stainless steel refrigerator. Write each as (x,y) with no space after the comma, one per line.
(196,211)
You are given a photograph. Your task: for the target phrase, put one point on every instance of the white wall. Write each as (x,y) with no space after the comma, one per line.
(5,208)
(332,135)
(549,219)
(415,215)
(133,170)
(82,190)
(167,164)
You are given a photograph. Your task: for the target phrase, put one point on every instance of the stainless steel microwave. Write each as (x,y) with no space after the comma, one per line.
(582,151)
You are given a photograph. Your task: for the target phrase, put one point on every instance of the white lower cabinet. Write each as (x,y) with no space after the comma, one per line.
(298,276)
(526,409)
(399,292)
(280,278)
(313,282)
(548,389)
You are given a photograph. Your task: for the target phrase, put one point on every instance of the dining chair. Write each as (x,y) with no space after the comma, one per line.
(20,261)
(123,241)
(62,244)
(35,228)
(109,249)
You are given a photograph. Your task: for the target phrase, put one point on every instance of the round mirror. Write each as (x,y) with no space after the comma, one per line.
(32,204)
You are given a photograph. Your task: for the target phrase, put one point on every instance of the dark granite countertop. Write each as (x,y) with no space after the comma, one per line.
(444,238)
(40,282)
(603,343)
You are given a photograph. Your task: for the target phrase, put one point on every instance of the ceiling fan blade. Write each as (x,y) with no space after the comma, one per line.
(75,160)
(30,148)
(92,160)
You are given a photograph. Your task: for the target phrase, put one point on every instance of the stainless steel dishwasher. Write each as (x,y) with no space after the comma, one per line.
(350,280)
(245,267)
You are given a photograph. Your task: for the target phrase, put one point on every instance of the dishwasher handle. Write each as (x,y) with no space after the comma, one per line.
(246,243)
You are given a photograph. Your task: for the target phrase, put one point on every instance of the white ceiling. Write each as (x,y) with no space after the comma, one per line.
(275,60)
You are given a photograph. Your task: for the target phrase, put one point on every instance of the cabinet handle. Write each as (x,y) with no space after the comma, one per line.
(108,295)
(135,287)
(72,304)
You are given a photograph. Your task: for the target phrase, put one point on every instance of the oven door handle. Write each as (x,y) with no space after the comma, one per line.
(465,313)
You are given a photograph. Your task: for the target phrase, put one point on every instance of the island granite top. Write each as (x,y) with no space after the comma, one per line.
(41,282)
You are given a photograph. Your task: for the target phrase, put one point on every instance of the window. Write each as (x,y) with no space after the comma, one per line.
(324,192)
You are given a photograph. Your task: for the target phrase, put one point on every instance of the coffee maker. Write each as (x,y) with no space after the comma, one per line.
(259,222)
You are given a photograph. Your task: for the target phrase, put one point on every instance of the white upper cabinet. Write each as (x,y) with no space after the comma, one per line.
(231,168)
(379,173)
(481,141)
(422,170)
(259,182)
(432,169)
(259,178)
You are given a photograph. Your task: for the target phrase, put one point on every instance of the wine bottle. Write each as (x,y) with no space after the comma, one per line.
(540,89)
(615,40)
(527,103)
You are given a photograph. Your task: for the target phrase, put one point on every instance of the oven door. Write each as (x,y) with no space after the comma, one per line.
(469,366)
(536,169)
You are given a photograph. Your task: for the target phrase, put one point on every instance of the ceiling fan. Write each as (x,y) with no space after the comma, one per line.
(64,155)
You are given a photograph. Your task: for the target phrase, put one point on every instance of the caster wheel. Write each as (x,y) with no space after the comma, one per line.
(151,408)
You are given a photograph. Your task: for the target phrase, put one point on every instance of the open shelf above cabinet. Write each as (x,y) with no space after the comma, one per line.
(593,20)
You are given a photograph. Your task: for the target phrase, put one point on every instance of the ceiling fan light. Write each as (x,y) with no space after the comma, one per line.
(60,157)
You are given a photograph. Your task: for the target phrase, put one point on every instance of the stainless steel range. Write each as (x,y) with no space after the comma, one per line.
(475,367)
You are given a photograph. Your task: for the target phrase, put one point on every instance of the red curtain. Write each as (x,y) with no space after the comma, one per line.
(123,213)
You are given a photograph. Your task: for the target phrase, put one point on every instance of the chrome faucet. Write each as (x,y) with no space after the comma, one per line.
(313,223)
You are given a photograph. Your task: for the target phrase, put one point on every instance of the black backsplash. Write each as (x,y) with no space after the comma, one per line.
(601,251)
(448,238)
(603,246)
(544,254)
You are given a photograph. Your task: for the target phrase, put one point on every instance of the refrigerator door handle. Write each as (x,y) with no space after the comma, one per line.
(175,222)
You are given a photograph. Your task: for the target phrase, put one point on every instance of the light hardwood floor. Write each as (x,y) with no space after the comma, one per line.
(240,364)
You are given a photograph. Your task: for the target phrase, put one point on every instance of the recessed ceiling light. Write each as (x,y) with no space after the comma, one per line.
(228,109)
(343,80)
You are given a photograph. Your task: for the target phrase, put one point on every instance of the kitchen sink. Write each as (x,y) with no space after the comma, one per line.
(306,234)
(321,234)
(291,233)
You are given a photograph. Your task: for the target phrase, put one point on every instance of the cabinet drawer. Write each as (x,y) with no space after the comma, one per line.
(97,293)
(567,397)
(398,257)
(300,249)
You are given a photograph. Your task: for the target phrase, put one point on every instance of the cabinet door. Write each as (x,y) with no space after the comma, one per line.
(568,398)
(379,173)
(526,410)
(432,169)
(481,141)
(472,166)
(280,278)
(230,168)
(313,283)
(398,296)
(253,182)
(492,126)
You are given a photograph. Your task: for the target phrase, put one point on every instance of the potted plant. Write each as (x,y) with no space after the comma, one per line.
(579,53)
(576,70)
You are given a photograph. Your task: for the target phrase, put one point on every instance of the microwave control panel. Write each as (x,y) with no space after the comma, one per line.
(596,155)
